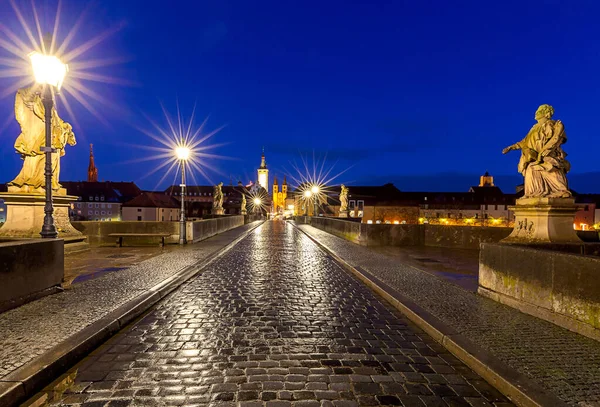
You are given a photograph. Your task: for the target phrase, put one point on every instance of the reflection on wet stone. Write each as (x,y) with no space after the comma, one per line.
(275,323)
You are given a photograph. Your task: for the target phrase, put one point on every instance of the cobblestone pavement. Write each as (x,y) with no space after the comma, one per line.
(30,330)
(275,323)
(565,363)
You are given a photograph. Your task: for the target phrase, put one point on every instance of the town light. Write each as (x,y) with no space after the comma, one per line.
(48,69)
(182,153)
(307,193)
(314,189)
(257,201)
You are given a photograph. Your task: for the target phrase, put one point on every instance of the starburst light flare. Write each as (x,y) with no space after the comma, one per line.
(21,53)
(313,181)
(180,142)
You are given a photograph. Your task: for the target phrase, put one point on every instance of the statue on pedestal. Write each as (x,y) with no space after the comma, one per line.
(543,162)
(344,202)
(546,212)
(218,199)
(29,112)
(25,199)
(244,211)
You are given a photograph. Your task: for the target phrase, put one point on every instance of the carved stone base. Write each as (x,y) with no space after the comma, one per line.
(544,220)
(26,189)
(218,211)
(25,215)
(343,214)
(244,212)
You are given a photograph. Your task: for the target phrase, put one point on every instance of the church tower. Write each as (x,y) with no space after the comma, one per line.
(263,173)
(486,180)
(92,170)
(275,186)
(284,188)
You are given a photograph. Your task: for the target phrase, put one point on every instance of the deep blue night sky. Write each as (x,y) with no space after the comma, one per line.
(424,94)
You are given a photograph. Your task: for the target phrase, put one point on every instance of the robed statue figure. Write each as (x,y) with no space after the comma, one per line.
(29,112)
(218,196)
(543,162)
(344,199)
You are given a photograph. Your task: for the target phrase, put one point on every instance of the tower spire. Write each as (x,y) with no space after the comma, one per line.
(92,170)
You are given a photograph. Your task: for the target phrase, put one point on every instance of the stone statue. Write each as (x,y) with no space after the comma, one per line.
(344,199)
(543,162)
(218,197)
(244,204)
(29,112)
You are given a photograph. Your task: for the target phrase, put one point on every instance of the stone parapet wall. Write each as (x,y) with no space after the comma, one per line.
(559,287)
(98,232)
(29,269)
(463,237)
(203,229)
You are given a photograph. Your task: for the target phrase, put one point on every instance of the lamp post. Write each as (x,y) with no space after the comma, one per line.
(49,72)
(315,192)
(257,203)
(307,195)
(183,153)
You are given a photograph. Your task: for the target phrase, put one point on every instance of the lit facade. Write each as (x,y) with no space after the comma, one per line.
(263,173)
(279,197)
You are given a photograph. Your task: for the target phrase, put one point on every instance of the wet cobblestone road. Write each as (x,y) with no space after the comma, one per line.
(275,322)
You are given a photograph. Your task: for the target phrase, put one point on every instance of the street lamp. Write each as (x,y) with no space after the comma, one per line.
(315,191)
(257,203)
(49,72)
(182,153)
(307,195)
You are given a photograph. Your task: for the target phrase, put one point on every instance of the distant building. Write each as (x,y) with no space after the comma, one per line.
(588,215)
(92,170)
(151,206)
(199,199)
(279,197)
(99,201)
(263,173)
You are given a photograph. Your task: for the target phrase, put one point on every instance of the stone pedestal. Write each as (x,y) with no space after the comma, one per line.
(544,220)
(218,211)
(25,215)
(343,214)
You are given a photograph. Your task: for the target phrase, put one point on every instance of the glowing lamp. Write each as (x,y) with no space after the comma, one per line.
(257,201)
(314,189)
(307,193)
(182,153)
(48,69)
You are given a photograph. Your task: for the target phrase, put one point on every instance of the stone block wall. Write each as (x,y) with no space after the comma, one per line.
(203,229)
(98,232)
(559,287)
(29,269)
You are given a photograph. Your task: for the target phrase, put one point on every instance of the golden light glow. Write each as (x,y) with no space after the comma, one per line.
(257,201)
(48,69)
(314,177)
(181,141)
(28,57)
(396,222)
(182,153)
